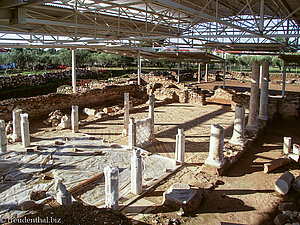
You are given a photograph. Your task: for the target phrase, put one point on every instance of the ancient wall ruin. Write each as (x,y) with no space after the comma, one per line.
(44,104)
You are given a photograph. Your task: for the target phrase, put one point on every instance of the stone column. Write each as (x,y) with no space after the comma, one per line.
(252,118)
(132,133)
(206,72)
(151,115)
(16,124)
(3,138)
(199,73)
(287,145)
(136,172)
(264,92)
(74,118)
(111,187)
(126,113)
(216,144)
(180,146)
(238,137)
(25,130)
(63,196)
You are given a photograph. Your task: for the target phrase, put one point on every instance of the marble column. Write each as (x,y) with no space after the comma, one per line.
(111,187)
(126,113)
(238,137)
(264,93)
(136,172)
(3,138)
(287,145)
(25,130)
(180,146)
(216,144)
(151,115)
(206,72)
(74,118)
(16,124)
(252,124)
(132,133)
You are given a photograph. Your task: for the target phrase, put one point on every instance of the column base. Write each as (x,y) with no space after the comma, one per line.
(214,163)
(263,118)
(237,141)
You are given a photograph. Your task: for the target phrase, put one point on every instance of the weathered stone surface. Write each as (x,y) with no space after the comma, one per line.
(89,112)
(284,183)
(181,195)
(37,195)
(26,205)
(296,184)
(281,219)
(284,206)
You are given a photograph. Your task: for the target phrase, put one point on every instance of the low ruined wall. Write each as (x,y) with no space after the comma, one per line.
(38,79)
(163,87)
(44,104)
(288,107)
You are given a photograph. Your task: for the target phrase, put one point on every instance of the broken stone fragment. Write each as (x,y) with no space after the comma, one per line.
(296,149)
(108,110)
(284,183)
(26,205)
(63,196)
(284,206)
(98,153)
(281,219)
(65,122)
(37,195)
(58,143)
(181,195)
(296,184)
(89,112)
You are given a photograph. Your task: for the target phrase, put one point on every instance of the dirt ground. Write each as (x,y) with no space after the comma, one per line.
(243,195)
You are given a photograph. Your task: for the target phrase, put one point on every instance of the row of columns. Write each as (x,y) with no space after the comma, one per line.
(206,73)
(216,155)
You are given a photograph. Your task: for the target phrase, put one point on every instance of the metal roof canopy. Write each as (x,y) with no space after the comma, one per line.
(290,59)
(176,56)
(213,24)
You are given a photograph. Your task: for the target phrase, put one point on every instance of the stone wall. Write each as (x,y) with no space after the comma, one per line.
(38,79)
(44,104)
(288,107)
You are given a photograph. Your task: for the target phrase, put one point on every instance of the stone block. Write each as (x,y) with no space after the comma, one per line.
(296,184)
(26,205)
(182,196)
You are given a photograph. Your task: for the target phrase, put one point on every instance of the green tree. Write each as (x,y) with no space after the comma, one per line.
(23,58)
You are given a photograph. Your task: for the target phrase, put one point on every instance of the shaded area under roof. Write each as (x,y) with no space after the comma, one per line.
(177,56)
(290,59)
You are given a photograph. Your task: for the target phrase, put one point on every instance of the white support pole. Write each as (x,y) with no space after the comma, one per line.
(3,138)
(16,124)
(264,93)
(261,12)
(252,124)
(74,118)
(126,113)
(139,67)
(283,80)
(180,146)
(132,133)
(151,115)
(74,70)
(136,172)
(25,130)
(238,137)
(216,144)
(111,187)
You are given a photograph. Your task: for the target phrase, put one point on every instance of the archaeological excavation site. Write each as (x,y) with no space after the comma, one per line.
(150,112)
